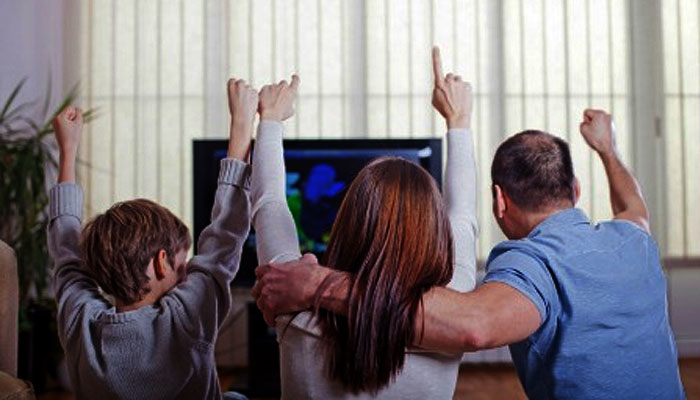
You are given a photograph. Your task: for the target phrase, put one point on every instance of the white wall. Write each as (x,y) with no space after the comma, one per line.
(32,36)
(684,305)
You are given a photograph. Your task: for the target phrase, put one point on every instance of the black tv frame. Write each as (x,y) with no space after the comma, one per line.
(206,170)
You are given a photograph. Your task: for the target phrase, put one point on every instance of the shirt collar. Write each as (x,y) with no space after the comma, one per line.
(569,216)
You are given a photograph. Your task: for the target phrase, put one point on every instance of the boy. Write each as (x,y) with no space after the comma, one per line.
(157,341)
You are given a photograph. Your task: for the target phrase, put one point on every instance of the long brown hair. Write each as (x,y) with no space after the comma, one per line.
(393,234)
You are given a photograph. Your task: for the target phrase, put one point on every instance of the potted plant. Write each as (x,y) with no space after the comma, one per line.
(28,161)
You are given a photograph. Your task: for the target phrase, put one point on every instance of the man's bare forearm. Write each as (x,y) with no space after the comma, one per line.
(442,322)
(626,196)
(334,292)
(598,131)
(492,315)
(451,321)
(439,322)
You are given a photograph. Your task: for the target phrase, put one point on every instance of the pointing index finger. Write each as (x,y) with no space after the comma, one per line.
(437,65)
(295,81)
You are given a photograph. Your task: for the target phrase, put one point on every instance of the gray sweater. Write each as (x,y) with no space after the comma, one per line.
(425,375)
(163,351)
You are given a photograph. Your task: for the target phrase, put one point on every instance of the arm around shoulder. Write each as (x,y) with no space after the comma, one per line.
(493,315)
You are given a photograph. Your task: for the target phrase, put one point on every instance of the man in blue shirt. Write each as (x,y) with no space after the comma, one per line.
(582,305)
(599,291)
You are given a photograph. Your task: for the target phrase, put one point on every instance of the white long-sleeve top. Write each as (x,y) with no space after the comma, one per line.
(302,363)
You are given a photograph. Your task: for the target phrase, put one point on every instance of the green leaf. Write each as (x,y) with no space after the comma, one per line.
(67,101)
(10,99)
(17,110)
(25,158)
(47,98)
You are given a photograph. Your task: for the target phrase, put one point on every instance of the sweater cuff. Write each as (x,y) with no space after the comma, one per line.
(65,199)
(235,173)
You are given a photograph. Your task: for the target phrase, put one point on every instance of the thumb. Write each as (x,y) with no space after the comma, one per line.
(78,116)
(69,113)
(269,319)
(261,270)
(309,258)
(256,290)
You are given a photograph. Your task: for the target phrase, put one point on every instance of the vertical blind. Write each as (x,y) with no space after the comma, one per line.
(681,40)
(156,70)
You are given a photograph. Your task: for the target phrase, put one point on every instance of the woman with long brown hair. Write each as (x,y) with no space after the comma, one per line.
(397,235)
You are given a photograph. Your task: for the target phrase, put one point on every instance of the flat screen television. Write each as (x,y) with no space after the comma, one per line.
(318,173)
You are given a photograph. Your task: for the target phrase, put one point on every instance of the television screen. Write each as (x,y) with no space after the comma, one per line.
(318,173)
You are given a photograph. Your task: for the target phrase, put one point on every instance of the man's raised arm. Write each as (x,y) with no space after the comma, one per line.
(626,196)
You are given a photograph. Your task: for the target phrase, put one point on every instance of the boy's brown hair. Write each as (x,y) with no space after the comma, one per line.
(118,245)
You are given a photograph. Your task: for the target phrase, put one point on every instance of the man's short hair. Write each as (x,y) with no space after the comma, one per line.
(118,245)
(534,168)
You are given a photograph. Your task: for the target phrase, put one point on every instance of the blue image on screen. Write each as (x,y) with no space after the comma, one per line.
(318,175)
(316,183)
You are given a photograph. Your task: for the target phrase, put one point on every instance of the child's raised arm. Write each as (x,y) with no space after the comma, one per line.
(205,296)
(72,285)
(68,127)
(242,105)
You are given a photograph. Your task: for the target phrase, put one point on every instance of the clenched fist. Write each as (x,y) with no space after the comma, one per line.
(67,127)
(242,101)
(598,130)
(277,101)
(452,97)
(242,104)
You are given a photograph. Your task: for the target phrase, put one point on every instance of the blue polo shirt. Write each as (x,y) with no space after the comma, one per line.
(601,294)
